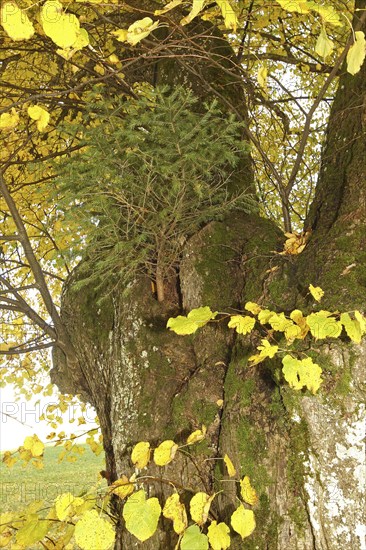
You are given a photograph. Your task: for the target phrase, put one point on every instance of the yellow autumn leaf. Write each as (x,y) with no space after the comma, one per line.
(123,487)
(140,455)
(137,31)
(327,13)
(247,492)
(8,121)
(171,5)
(92,532)
(196,436)
(15,22)
(230,466)
(352,327)
(323,325)
(62,27)
(200,506)
(262,75)
(40,115)
(197,6)
(219,536)
(324,45)
(316,292)
(294,6)
(176,511)
(242,324)
(165,452)
(141,515)
(279,322)
(243,521)
(356,54)
(66,504)
(264,316)
(266,350)
(228,13)
(362,320)
(297,316)
(300,374)
(252,307)
(34,445)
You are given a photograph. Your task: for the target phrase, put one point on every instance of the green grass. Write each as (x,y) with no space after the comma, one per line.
(20,486)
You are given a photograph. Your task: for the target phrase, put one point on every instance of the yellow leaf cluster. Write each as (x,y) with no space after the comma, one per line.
(137,31)
(295,243)
(176,511)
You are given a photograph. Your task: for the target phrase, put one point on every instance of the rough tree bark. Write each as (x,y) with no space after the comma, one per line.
(304,454)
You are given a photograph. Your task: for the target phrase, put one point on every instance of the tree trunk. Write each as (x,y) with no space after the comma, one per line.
(303,454)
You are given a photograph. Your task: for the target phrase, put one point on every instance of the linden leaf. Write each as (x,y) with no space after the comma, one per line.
(294,5)
(322,325)
(64,506)
(195,319)
(196,436)
(327,13)
(63,28)
(171,5)
(165,452)
(228,14)
(200,506)
(140,455)
(324,46)
(137,31)
(297,316)
(247,492)
(40,115)
(262,76)
(352,327)
(123,487)
(266,350)
(92,531)
(279,322)
(264,316)
(362,320)
(201,315)
(356,53)
(197,6)
(176,511)
(193,539)
(8,121)
(230,466)
(218,536)
(301,374)
(33,530)
(316,292)
(15,22)
(243,521)
(253,308)
(242,324)
(141,515)
(34,445)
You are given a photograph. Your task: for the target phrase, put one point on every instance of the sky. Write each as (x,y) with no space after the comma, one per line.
(21,418)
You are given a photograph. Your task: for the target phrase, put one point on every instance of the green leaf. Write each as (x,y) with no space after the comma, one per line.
(92,531)
(301,374)
(195,319)
(242,324)
(356,53)
(34,530)
(322,325)
(193,539)
(141,515)
(352,327)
